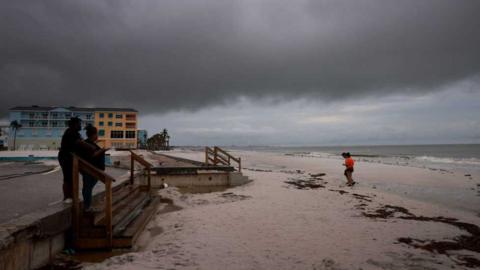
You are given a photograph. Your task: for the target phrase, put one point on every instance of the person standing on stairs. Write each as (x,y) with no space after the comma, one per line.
(72,143)
(97,159)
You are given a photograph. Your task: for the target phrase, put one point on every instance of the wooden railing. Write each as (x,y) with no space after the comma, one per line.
(80,165)
(134,157)
(218,156)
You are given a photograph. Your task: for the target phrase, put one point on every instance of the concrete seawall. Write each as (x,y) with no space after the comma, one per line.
(201,178)
(32,240)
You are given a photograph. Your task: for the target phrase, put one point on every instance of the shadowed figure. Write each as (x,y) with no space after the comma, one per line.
(97,160)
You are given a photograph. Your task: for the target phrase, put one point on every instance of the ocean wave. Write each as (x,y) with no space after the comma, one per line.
(463,161)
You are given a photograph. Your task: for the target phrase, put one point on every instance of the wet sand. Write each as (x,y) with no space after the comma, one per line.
(294,217)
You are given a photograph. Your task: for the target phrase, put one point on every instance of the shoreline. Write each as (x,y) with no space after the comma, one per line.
(271,224)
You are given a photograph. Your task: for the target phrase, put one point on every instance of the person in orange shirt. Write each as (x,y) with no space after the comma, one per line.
(349,162)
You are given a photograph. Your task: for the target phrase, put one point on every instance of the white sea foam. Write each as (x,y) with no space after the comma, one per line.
(460,161)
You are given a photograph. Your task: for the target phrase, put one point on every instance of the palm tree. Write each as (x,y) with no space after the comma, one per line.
(165,138)
(15,126)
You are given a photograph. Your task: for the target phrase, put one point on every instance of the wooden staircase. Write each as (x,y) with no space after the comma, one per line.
(123,210)
(217,156)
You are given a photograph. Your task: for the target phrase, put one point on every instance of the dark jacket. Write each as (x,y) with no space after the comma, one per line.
(68,145)
(98,161)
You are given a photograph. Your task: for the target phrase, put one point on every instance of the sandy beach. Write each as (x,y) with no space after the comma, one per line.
(298,214)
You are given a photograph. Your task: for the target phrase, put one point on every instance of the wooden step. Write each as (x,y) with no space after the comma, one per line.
(118,194)
(129,210)
(127,237)
(117,207)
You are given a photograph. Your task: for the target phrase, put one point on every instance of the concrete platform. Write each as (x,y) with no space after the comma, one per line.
(34,219)
(28,187)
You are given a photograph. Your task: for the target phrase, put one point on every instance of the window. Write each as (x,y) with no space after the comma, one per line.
(130,134)
(130,125)
(116,134)
(118,124)
(100,123)
(110,124)
(88,116)
(118,116)
(130,117)
(101,115)
(110,115)
(101,132)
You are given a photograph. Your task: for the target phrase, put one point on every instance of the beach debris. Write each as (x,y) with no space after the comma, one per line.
(361,206)
(317,175)
(387,211)
(339,191)
(470,241)
(362,197)
(292,171)
(305,184)
(468,175)
(234,197)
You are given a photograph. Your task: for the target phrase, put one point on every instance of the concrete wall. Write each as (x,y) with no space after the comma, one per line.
(200,179)
(188,180)
(33,240)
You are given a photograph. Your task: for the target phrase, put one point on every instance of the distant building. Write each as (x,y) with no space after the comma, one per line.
(42,127)
(142,137)
(117,128)
(3,137)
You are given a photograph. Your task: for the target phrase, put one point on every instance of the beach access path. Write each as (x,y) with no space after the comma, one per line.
(293,217)
(29,186)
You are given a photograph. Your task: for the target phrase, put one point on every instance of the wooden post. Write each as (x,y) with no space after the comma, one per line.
(149,178)
(132,168)
(108,212)
(75,200)
(206,155)
(240,164)
(215,155)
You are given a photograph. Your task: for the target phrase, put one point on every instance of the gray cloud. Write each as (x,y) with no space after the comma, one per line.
(447,116)
(159,56)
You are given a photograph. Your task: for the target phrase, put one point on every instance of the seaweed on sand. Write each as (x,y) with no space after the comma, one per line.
(304,184)
(470,241)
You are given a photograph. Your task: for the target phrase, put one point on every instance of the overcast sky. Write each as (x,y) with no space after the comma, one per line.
(254,72)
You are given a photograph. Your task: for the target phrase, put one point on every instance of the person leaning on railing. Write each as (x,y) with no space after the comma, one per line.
(71,143)
(97,159)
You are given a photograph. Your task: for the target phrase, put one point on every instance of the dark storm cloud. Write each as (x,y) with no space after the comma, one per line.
(166,55)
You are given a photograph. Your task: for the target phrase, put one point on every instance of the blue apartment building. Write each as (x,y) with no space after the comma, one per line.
(142,137)
(42,127)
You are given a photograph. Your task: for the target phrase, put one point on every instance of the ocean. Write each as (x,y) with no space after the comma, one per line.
(449,157)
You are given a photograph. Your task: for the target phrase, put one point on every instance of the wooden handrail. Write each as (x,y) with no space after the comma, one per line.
(80,165)
(147,165)
(217,156)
